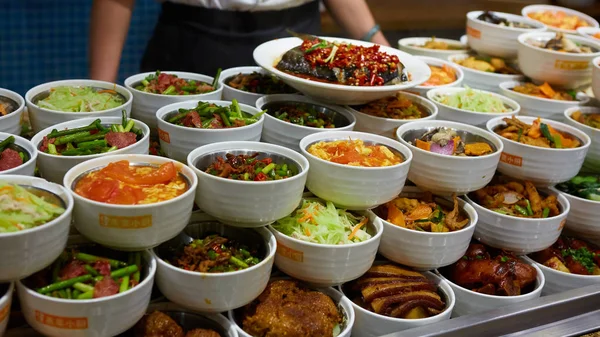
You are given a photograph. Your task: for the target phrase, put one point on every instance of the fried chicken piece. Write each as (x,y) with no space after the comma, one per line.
(158,324)
(202,333)
(287,309)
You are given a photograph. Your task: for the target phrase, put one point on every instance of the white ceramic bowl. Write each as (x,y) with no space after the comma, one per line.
(558,281)
(483,80)
(540,107)
(214,292)
(98,317)
(589,32)
(189,319)
(28,251)
(247,203)
(592,159)
(425,250)
(519,235)
(355,187)
(496,40)
(269,53)
(476,118)
(178,141)
(11,123)
(368,323)
(387,126)
(28,167)
(289,135)
(539,8)
(343,303)
(243,97)
(542,166)
(325,264)
(146,104)
(412,45)
(130,227)
(596,77)
(557,68)
(582,218)
(5,302)
(470,302)
(42,118)
(432,61)
(54,167)
(442,174)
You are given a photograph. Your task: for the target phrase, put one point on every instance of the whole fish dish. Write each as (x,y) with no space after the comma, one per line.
(341,63)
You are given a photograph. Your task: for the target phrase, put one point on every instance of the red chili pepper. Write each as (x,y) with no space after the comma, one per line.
(267,161)
(260,177)
(217,249)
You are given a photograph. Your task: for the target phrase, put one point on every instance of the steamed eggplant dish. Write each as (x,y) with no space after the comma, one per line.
(562,44)
(537,134)
(516,199)
(424,214)
(571,255)
(397,292)
(341,63)
(447,142)
(491,17)
(491,271)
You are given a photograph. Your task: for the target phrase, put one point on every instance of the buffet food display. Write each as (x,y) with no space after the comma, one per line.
(260,167)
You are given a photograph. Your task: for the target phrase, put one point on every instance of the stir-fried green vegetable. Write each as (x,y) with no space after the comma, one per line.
(211,116)
(81,99)
(321,222)
(583,186)
(21,209)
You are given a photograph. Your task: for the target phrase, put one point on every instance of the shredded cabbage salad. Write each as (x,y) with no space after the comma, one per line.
(20,209)
(322,223)
(81,99)
(473,100)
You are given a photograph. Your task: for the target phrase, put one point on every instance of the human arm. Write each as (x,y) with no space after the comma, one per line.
(355,17)
(109,24)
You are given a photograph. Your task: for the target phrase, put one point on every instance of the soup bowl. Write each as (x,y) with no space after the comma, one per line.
(11,122)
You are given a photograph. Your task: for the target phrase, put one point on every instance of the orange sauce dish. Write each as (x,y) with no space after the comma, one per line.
(355,153)
(124,184)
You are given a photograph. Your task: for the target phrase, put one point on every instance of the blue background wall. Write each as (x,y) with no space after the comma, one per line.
(47,40)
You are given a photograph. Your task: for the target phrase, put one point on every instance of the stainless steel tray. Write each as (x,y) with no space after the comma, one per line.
(570,313)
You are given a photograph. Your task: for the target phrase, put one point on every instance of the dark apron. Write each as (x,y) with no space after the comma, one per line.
(201,40)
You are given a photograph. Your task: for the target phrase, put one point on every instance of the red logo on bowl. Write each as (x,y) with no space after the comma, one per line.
(473,32)
(511,159)
(4,311)
(125,222)
(164,136)
(290,253)
(71,323)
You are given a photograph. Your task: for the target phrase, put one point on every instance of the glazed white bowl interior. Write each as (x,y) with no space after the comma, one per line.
(54,167)
(214,292)
(178,141)
(542,166)
(256,203)
(337,182)
(269,53)
(131,227)
(481,79)
(276,131)
(519,235)
(42,118)
(459,174)
(426,250)
(31,155)
(11,123)
(31,250)
(145,104)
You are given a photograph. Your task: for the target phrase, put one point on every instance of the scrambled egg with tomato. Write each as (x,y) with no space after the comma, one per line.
(120,183)
(440,76)
(355,153)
